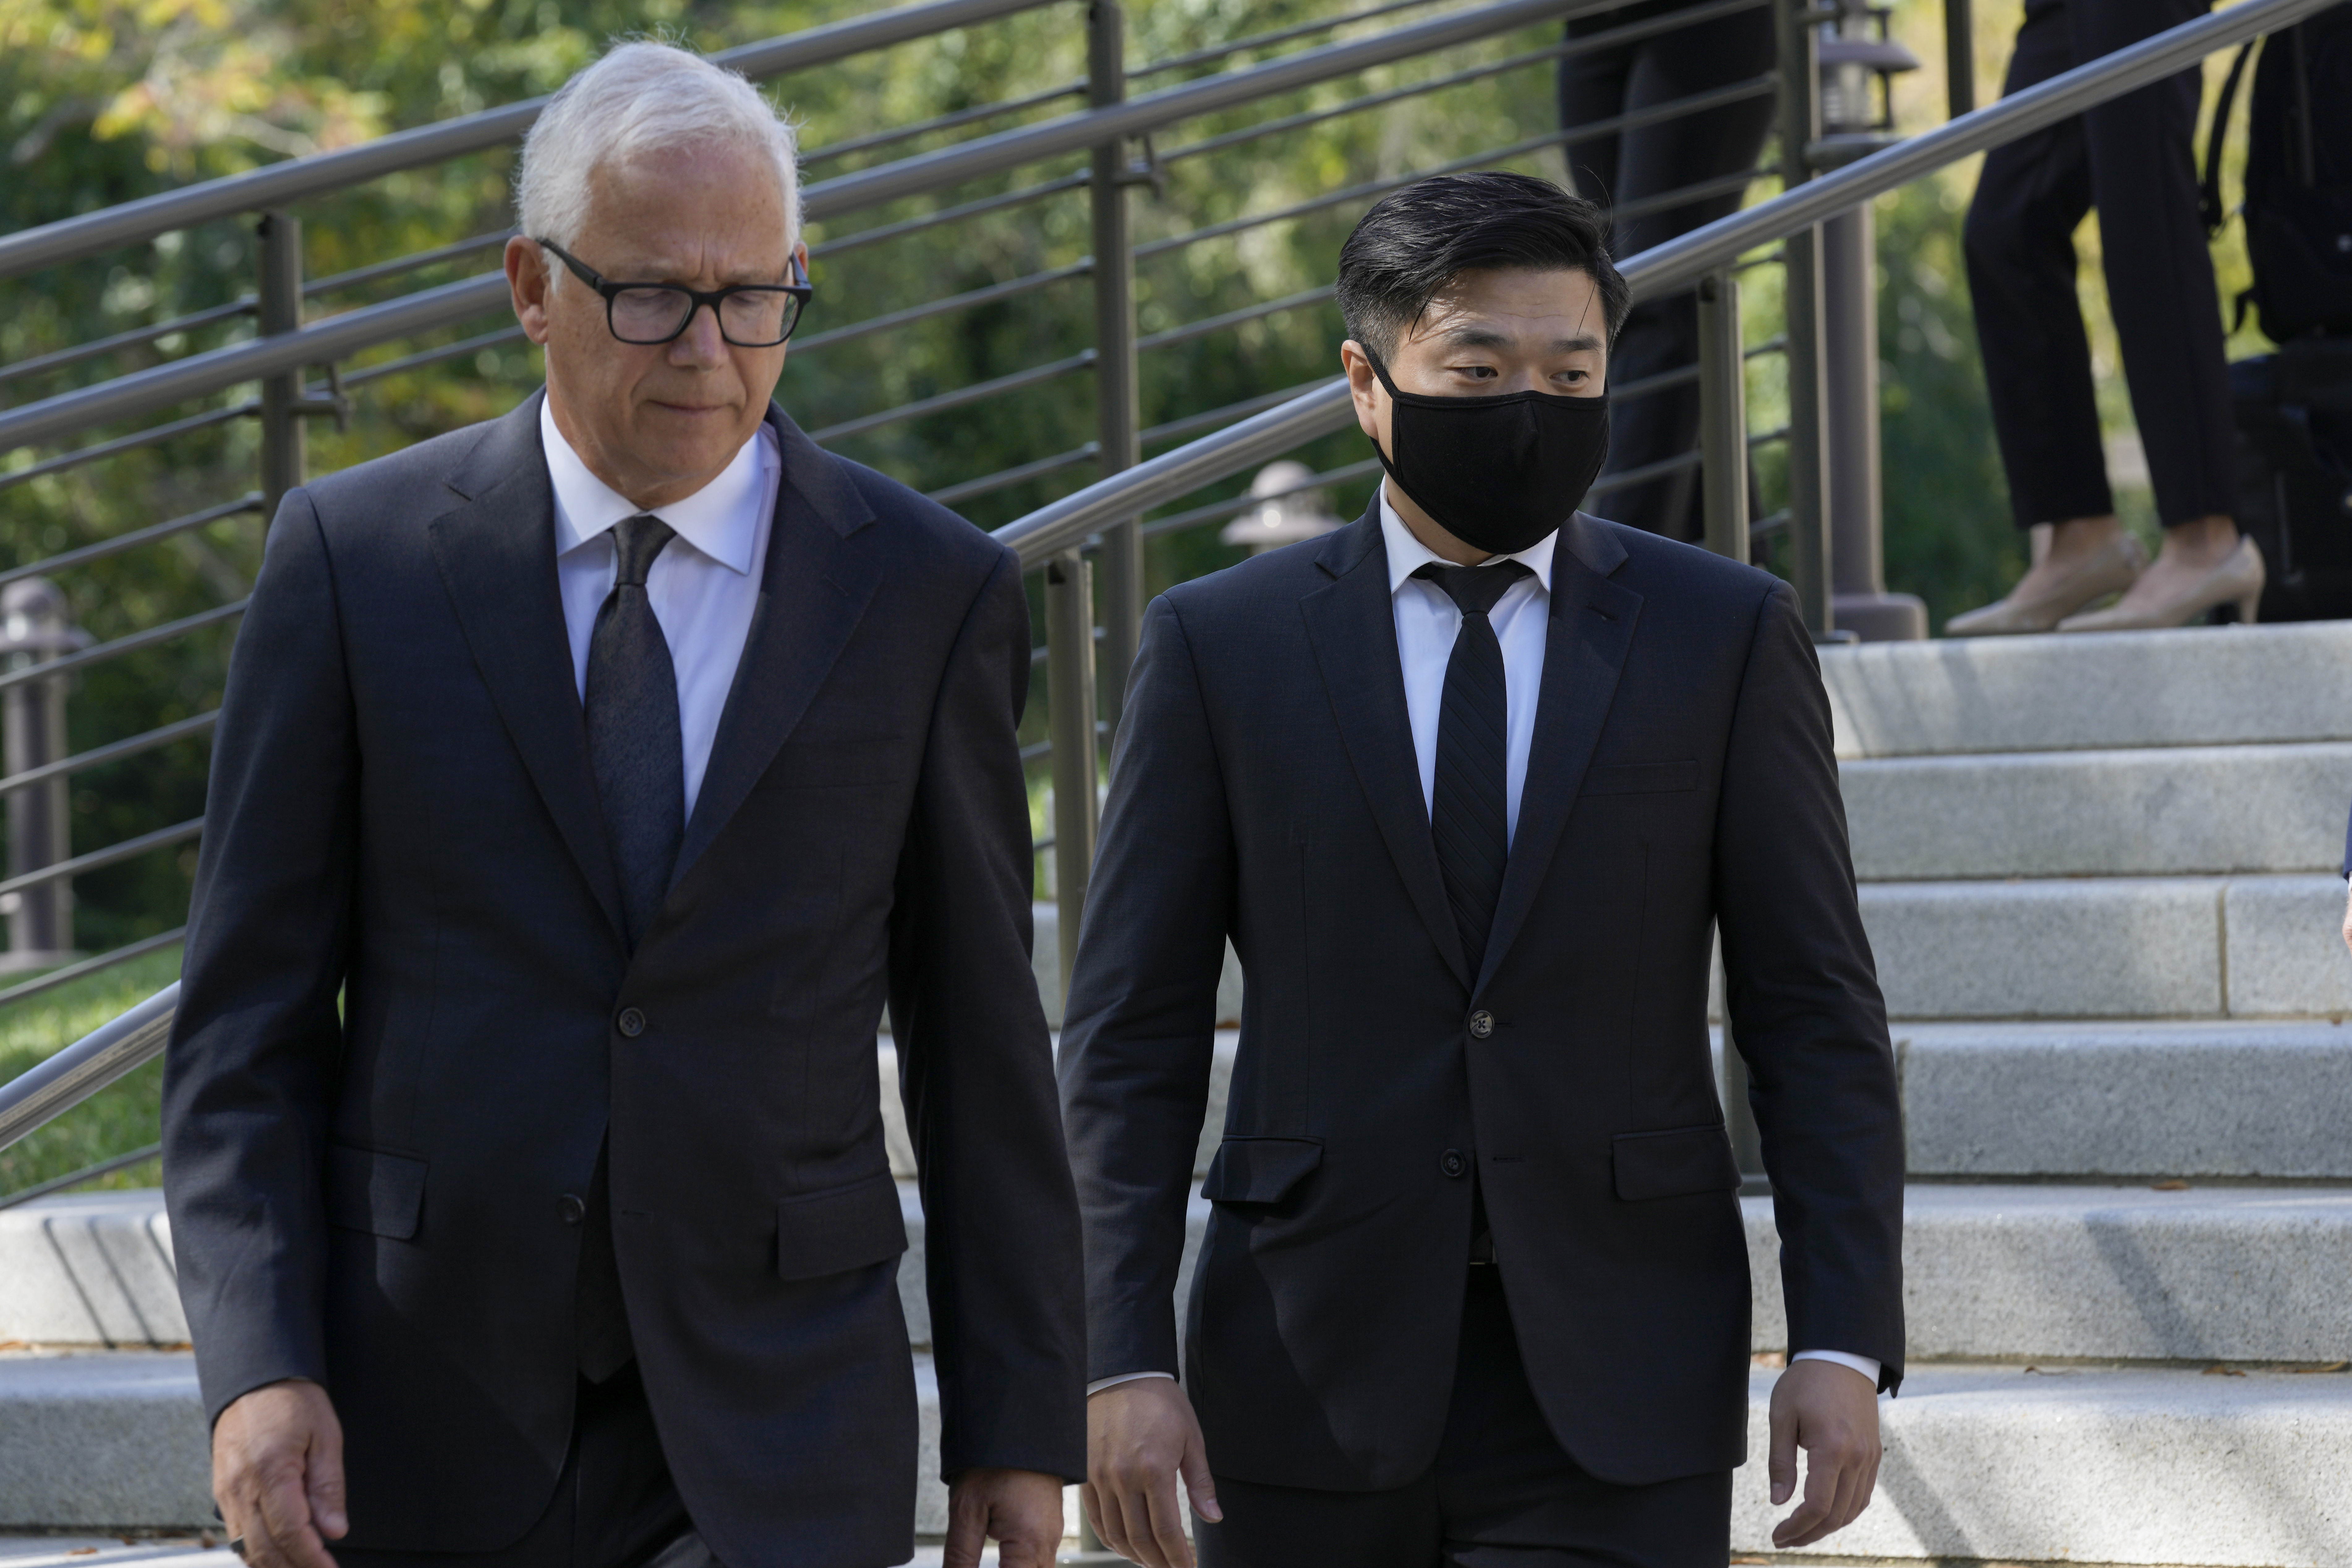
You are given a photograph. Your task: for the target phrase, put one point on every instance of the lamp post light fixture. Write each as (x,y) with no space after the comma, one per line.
(1291,510)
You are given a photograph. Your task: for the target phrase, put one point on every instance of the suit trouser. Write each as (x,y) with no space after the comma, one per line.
(2134,159)
(1625,170)
(1502,1493)
(614,1506)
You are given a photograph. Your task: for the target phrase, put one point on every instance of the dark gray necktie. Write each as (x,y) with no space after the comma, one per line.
(639,760)
(1470,798)
(632,728)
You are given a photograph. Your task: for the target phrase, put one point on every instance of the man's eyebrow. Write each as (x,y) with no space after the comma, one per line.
(1470,335)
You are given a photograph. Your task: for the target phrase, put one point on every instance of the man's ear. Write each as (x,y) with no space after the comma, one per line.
(1364,386)
(529,280)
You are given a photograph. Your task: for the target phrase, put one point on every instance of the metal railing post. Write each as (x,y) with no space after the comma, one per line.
(33,631)
(1722,417)
(1809,562)
(280,308)
(1070,691)
(1116,422)
(1959,58)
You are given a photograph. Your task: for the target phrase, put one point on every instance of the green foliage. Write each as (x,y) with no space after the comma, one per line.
(1949,535)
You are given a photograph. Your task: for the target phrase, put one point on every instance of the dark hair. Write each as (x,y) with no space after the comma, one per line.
(1419,239)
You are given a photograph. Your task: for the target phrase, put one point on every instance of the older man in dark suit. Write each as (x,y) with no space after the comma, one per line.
(1467,784)
(588,780)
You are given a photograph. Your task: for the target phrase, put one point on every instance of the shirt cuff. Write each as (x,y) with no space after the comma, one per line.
(1860,1364)
(1100,1383)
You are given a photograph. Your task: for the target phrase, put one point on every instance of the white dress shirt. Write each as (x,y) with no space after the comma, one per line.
(704,586)
(1427,621)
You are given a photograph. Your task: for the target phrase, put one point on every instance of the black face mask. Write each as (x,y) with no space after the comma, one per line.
(1499,473)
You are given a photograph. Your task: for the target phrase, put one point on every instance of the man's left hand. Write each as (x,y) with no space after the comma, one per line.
(1020,1510)
(1831,1412)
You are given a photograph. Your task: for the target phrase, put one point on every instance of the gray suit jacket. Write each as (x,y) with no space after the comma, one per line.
(401,1043)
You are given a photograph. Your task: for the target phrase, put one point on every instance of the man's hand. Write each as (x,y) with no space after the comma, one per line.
(278,1474)
(1140,1437)
(1832,1412)
(1020,1510)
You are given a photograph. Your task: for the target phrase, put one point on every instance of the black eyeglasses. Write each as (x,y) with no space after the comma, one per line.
(749,315)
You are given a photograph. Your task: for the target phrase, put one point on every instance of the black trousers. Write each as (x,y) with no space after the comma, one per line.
(1502,1493)
(2134,159)
(1632,172)
(614,1505)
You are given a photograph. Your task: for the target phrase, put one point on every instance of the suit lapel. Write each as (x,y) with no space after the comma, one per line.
(496,553)
(1351,621)
(1592,628)
(814,591)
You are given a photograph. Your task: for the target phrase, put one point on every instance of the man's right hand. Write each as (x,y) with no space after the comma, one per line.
(1140,1437)
(278,1474)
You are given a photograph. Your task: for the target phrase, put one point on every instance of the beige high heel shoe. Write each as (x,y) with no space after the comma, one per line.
(2111,569)
(2238,580)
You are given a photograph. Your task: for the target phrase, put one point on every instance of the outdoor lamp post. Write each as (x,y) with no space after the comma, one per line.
(34,630)
(1858,64)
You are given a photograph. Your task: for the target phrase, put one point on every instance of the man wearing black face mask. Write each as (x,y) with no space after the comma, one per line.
(1467,784)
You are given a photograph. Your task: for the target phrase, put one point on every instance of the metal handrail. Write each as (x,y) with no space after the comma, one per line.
(104,1056)
(450,304)
(276,185)
(1008,150)
(1677,264)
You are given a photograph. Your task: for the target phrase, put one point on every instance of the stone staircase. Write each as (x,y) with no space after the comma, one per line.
(2098,876)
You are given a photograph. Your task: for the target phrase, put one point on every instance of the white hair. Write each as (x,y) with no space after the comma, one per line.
(639,98)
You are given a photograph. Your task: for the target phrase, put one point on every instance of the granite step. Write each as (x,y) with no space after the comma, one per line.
(2006,1464)
(2111,947)
(118,1439)
(2153,1100)
(2117,1273)
(2000,1462)
(2151,811)
(2197,686)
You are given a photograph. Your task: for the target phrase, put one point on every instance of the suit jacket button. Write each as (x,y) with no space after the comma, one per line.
(633,1022)
(570,1209)
(1452,1162)
(1482,1024)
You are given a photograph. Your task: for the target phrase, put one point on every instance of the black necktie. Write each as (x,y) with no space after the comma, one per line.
(632,728)
(635,748)
(1469,801)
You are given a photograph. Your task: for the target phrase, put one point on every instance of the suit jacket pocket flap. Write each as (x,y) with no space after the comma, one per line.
(370,1190)
(1642,778)
(841,1229)
(1673,1163)
(1259,1170)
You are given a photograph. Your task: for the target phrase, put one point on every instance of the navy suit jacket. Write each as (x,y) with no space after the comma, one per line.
(1680,779)
(400,1041)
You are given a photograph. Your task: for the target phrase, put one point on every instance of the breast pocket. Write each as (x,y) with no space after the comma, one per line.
(839,762)
(1642,778)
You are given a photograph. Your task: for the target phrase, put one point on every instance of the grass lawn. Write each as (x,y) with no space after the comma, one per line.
(115,1122)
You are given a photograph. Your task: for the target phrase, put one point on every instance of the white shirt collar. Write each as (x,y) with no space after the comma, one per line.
(721,520)
(1408,555)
